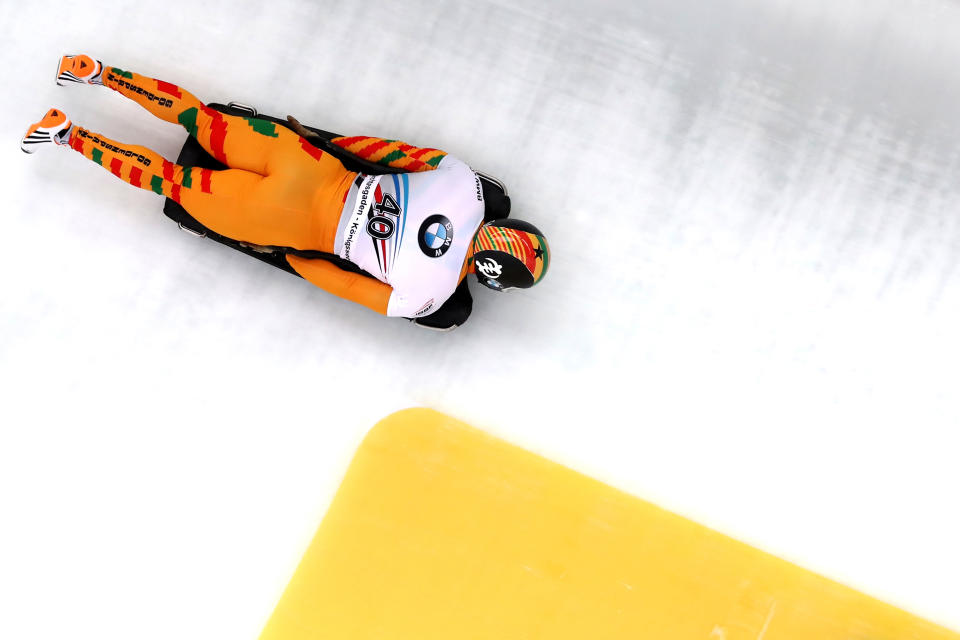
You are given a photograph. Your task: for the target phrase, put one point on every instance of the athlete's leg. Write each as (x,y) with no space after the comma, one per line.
(232,140)
(238,204)
(140,166)
(239,143)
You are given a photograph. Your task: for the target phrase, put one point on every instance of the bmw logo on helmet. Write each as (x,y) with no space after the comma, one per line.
(436,234)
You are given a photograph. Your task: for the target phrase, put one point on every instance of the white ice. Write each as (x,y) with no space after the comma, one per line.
(751,317)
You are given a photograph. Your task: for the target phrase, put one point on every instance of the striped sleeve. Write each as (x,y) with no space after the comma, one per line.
(392,153)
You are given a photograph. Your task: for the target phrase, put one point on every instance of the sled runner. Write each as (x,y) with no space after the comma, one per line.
(451,314)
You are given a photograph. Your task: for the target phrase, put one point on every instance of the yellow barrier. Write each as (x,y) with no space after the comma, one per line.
(440,531)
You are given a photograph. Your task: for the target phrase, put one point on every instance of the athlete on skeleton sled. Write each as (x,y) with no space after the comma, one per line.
(390,226)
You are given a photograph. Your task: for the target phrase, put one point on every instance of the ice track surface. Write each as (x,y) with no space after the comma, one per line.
(751,317)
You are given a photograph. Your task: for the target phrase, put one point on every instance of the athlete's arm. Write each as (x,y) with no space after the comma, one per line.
(392,153)
(361,289)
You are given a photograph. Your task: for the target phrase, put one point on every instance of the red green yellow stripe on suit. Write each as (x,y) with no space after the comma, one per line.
(392,153)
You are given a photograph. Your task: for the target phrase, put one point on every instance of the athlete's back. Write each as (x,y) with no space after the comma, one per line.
(413,231)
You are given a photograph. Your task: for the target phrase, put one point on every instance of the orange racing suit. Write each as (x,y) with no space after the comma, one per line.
(279,190)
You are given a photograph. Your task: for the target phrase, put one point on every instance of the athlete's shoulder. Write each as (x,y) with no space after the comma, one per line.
(458,170)
(449,162)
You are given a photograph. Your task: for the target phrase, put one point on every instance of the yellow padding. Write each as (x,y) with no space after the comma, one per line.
(442,532)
